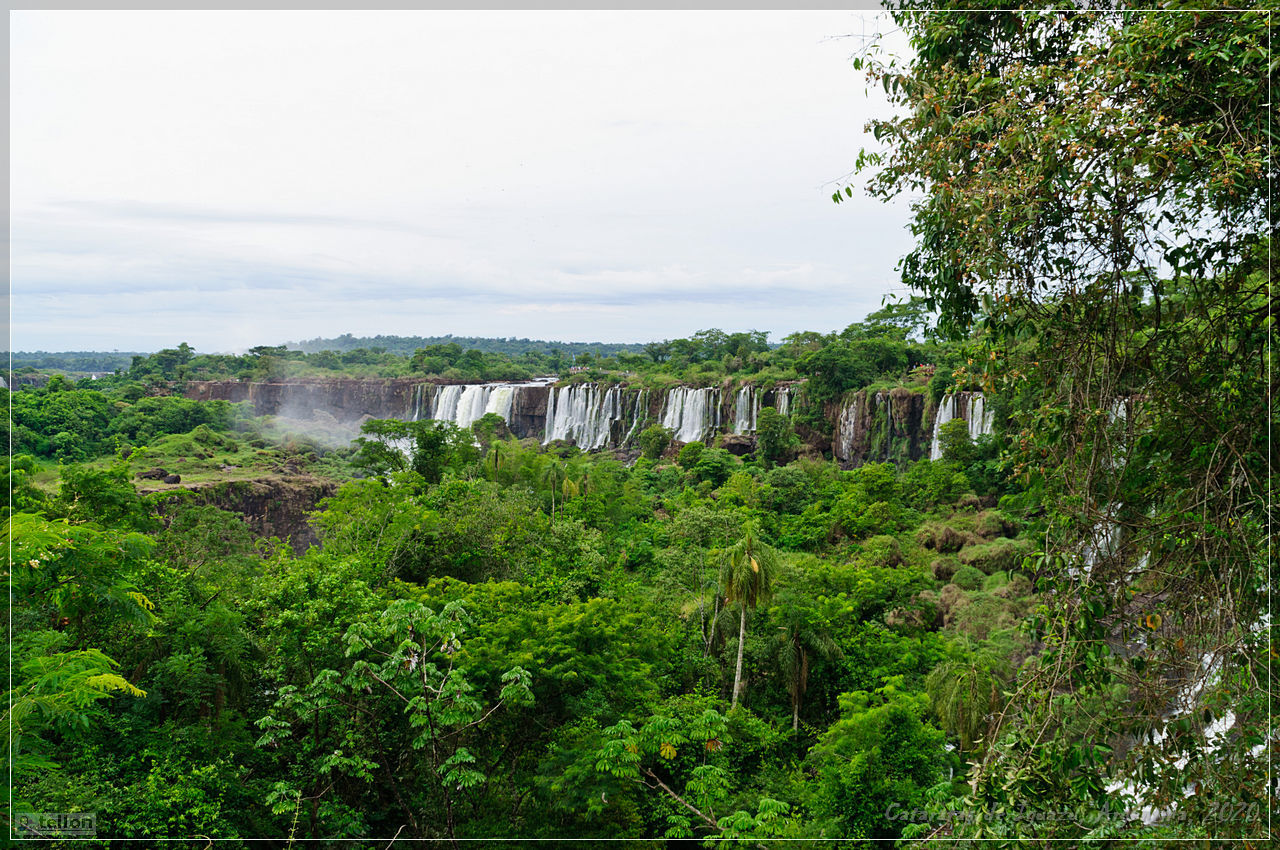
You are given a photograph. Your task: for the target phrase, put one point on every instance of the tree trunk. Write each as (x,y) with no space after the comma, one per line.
(742,639)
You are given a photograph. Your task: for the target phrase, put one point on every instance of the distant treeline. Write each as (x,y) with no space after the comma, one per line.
(75,361)
(488,345)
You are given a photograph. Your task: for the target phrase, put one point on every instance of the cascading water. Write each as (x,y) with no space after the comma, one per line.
(980,419)
(444,406)
(583,414)
(691,414)
(783,401)
(745,410)
(462,404)
(972,410)
(639,412)
(846,427)
(946,412)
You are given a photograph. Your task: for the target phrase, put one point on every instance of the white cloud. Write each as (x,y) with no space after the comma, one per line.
(620,175)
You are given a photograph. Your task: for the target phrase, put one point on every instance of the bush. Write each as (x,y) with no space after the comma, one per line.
(880,518)
(1018,587)
(927,484)
(944,538)
(968,578)
(992,524)
(944,568)
(713,466)
(882,551)
(995,581)
(983,614)
(690,454)
(1000,554)
(654,441)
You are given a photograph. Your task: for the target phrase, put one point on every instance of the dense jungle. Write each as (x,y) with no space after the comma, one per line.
(992,562)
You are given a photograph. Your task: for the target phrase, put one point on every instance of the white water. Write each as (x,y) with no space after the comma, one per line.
(783,401)
(463,404)
(980,419)
(845,425)
(586,413)
(946,412)
(583,414)
(692,414)
(746,411)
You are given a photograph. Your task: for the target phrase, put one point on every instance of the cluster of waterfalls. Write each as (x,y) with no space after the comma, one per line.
(593,416)
(888,425)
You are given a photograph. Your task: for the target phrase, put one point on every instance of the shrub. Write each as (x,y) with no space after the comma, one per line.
(968,578)
(883,551)
(1019,586)
(944,538)
(690,454)
(983,614)
(944,568)
(992,524)
(654,441)
(1000,554)
(995,581)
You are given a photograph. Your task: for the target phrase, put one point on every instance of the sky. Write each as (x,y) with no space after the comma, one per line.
(232,178)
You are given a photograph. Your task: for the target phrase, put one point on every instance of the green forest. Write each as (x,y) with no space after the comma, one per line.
(1058,630)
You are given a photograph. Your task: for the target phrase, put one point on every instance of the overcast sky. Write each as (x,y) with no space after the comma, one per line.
(232,179)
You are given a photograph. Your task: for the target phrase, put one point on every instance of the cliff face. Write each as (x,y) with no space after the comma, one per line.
(529,412)
(346,400)
(271,507)
(874,427)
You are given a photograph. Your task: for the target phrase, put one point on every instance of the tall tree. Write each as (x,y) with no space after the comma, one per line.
(747,573)
(1094,186)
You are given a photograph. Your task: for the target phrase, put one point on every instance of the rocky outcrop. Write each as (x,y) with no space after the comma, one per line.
(875,427)
(529,411)
(272,507)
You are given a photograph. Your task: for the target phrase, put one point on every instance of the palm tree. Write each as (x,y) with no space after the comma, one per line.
(797,642)
(747,572)
(967,695)
(552,472)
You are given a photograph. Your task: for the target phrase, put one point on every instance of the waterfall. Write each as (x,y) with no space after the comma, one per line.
(980,420)
(846,428)
(419,400)
(975,413)
(639,412)
(946,412)
(783,402)
(444,407)
(746,410)
(583,414)
(692,414)
(462,404)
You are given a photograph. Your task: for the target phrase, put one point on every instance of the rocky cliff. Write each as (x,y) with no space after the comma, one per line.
(275,506)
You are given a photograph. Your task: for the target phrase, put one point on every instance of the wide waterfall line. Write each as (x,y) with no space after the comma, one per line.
(594,416)
(846,427)
(980,419)
(746,410)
